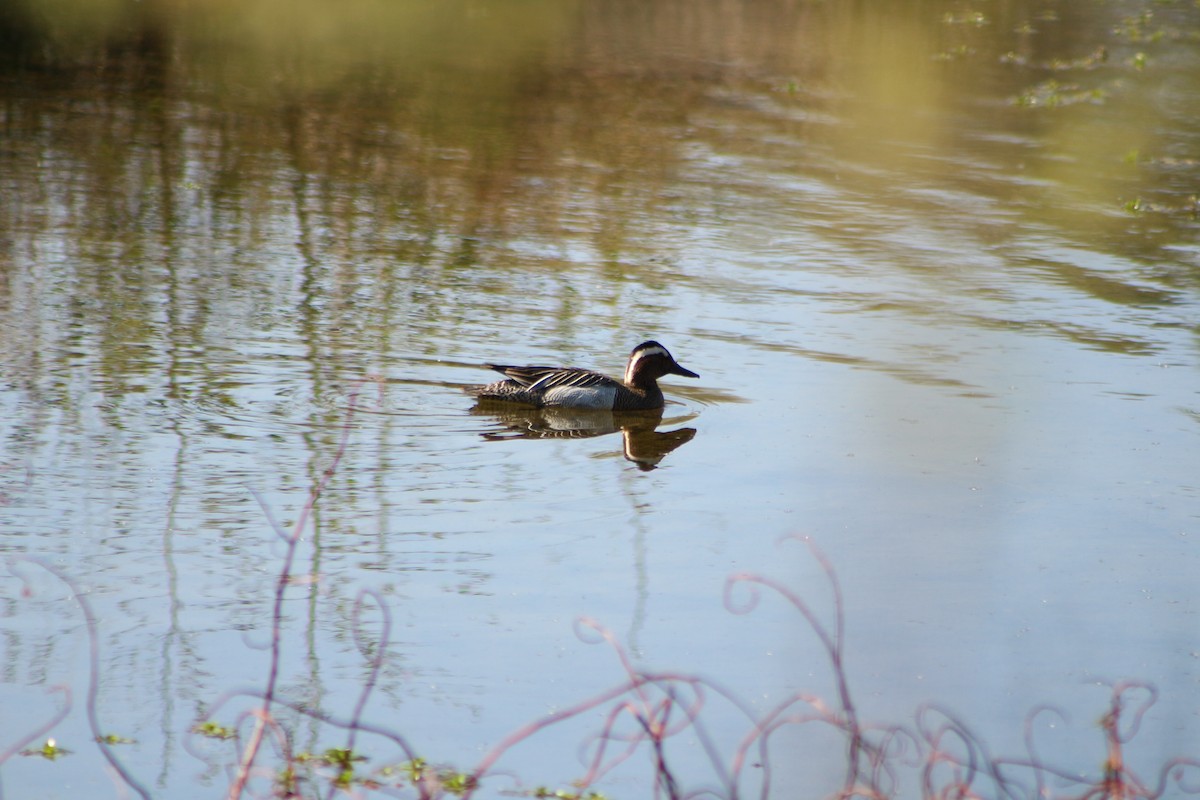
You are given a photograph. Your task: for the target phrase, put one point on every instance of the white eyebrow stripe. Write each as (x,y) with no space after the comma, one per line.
(651,351)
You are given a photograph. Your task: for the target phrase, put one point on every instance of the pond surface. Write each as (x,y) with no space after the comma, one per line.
(937,265)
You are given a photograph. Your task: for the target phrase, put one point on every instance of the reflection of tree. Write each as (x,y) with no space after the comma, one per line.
(418,162)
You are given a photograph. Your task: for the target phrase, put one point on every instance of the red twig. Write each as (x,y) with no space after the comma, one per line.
(255,742)
(93,674)
(833,642)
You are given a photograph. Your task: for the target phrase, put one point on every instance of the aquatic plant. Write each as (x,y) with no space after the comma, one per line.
(49,750)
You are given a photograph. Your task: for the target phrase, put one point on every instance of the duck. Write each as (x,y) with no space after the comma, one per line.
(573,387)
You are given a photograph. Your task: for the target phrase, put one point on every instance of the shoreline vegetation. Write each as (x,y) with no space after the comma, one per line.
(644,717)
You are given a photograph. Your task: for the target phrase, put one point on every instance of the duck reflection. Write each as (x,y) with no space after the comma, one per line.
(644,444)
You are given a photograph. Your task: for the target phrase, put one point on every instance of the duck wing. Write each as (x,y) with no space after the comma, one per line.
(542,378)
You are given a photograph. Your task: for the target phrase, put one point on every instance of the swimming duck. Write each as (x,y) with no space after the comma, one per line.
(572,387)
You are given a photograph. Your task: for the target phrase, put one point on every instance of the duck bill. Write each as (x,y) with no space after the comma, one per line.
(687,373)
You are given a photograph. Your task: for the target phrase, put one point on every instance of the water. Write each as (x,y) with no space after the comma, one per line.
(938,273)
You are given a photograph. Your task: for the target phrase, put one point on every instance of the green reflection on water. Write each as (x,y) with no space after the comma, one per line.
(383,151)
(446,110)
